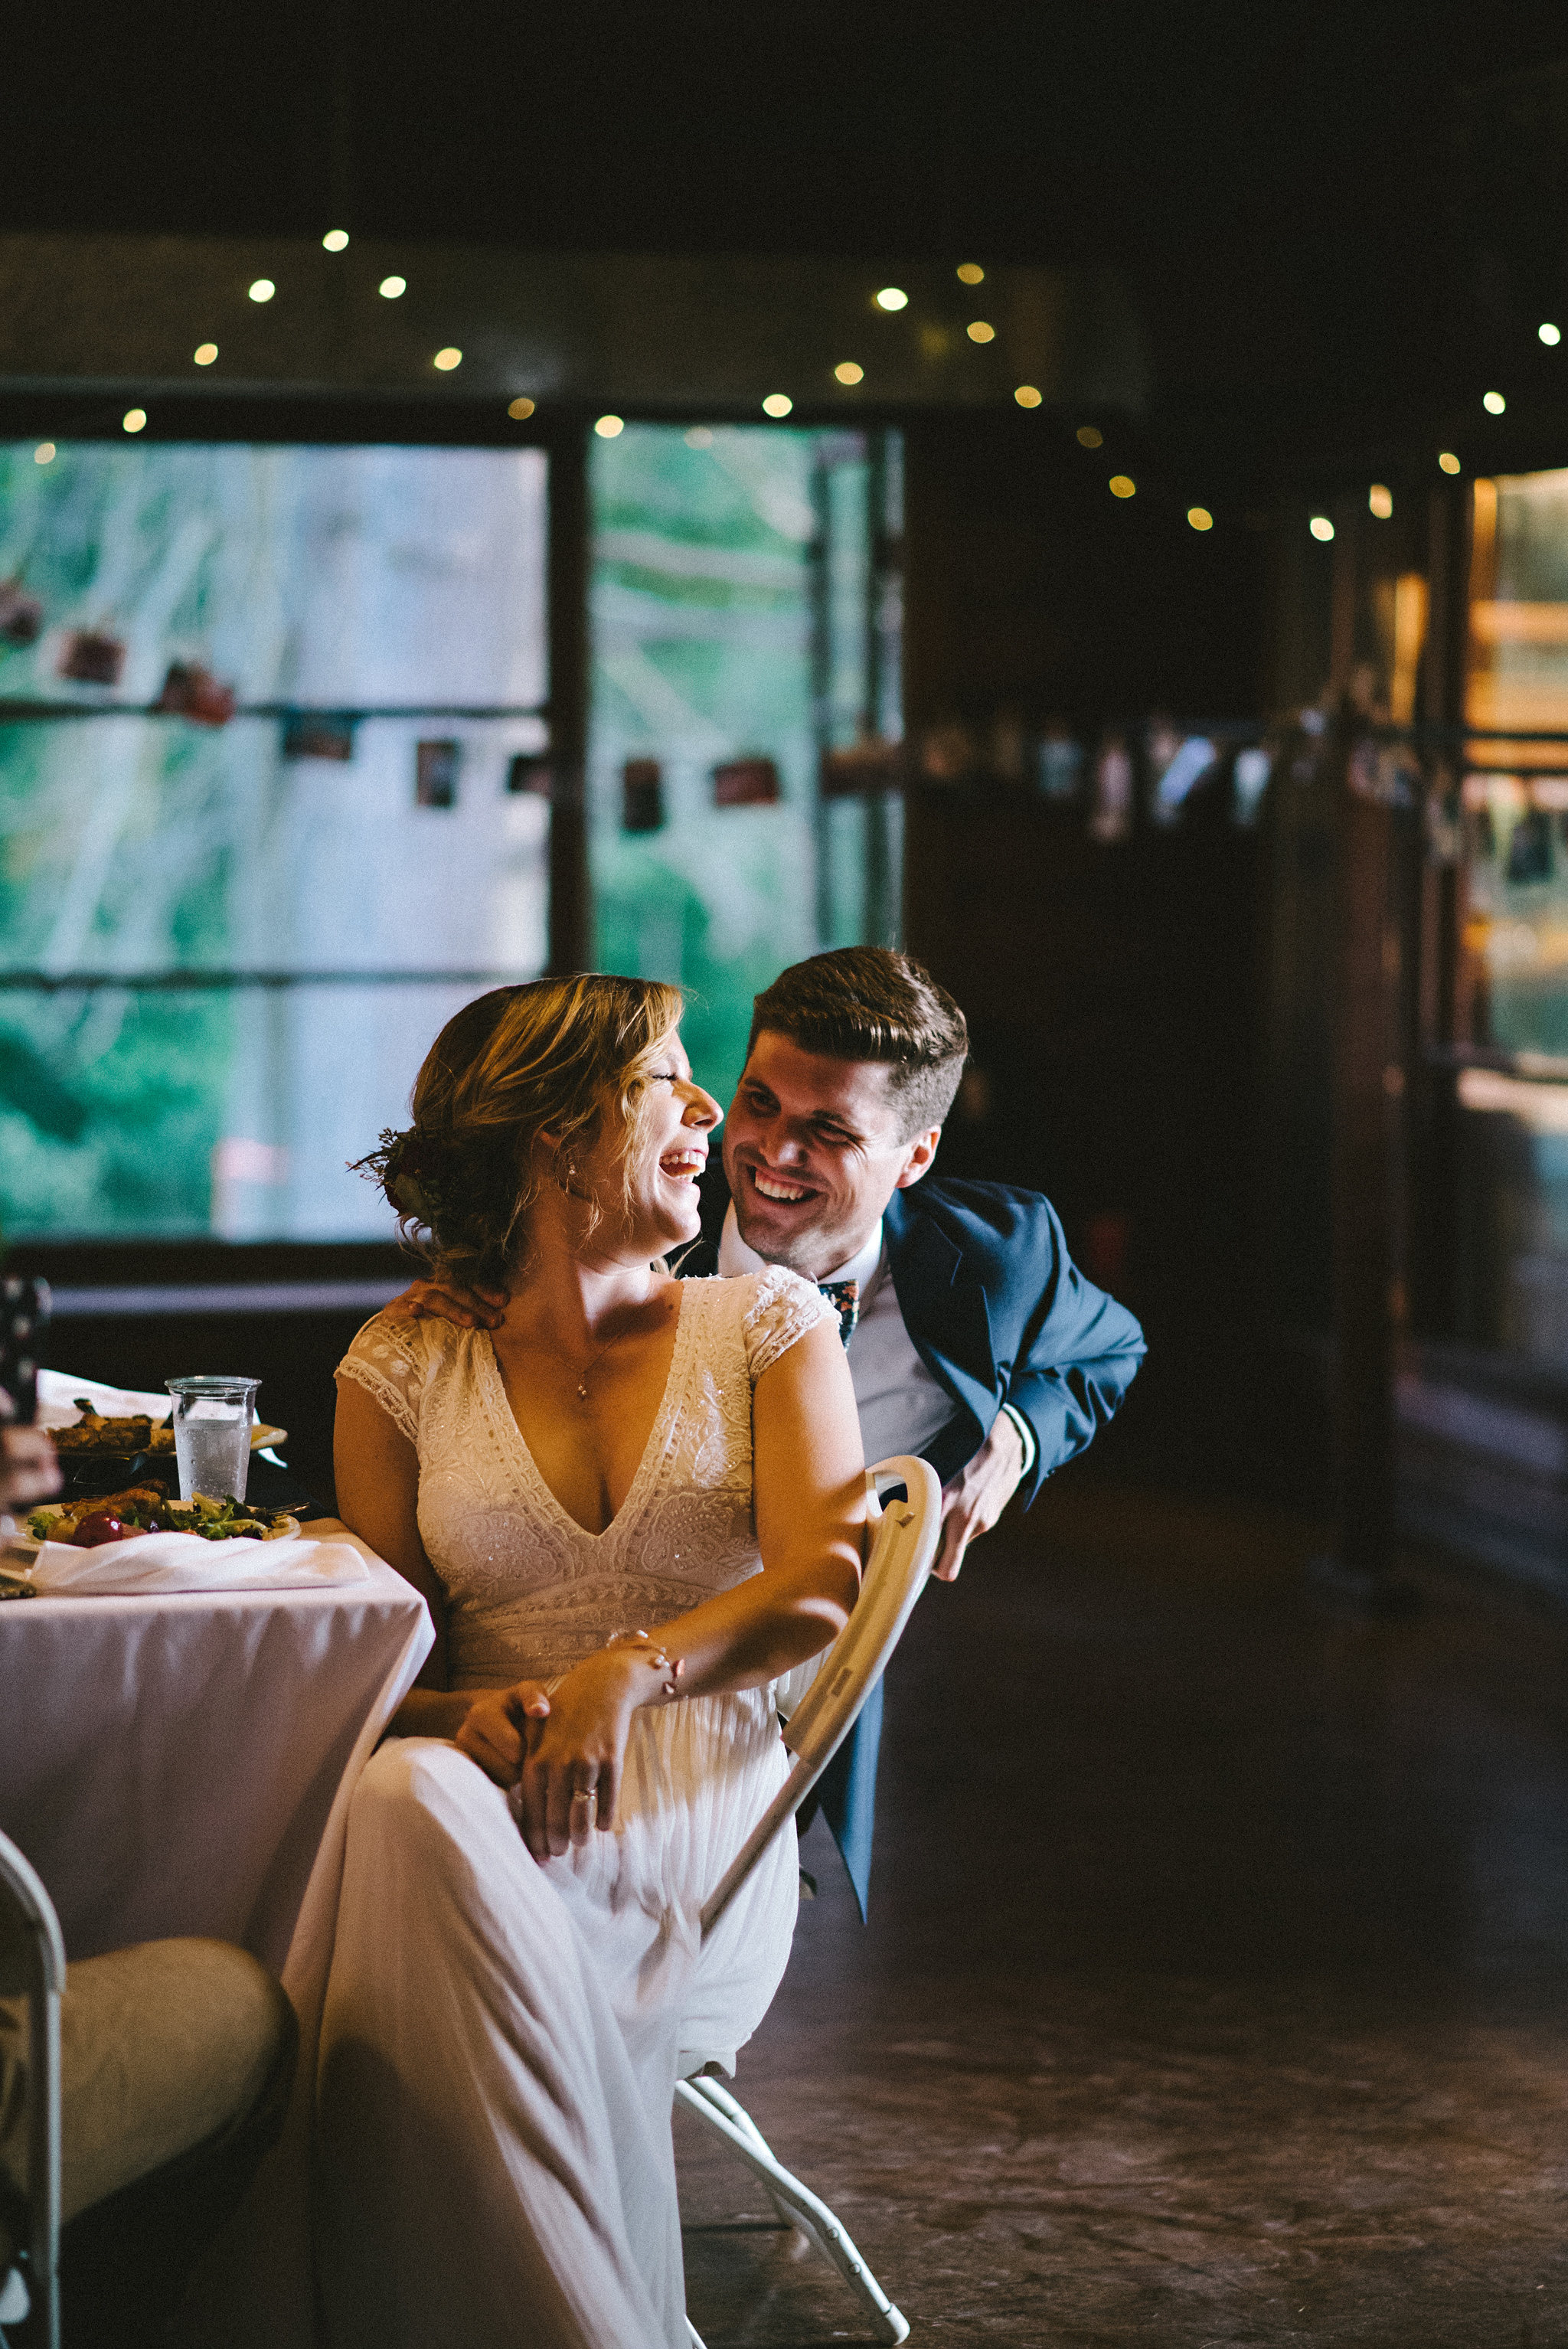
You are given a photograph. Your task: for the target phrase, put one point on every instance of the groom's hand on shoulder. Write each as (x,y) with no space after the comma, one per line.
(466,1309)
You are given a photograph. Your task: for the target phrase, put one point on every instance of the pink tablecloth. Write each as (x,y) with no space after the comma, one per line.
(183,1765)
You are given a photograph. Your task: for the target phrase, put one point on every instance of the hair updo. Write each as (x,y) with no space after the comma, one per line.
(513,1066)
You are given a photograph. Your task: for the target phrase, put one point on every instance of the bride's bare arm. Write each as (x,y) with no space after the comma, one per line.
(377,1474)
(809,1474)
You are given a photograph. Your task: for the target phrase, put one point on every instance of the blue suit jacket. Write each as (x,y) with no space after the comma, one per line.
(998,1312)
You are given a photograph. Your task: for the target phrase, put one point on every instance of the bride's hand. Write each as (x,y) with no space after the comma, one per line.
(568,1783)
(496,1728)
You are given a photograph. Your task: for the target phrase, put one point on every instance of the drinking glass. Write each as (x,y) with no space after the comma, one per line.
(212,1421)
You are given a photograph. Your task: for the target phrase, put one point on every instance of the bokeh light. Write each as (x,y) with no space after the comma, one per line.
(1123,485)
(1089,436)
(848,372)
(391,287)
(1321,528)
(1493,402)
(778,403)
(133,420)
(980,332)
(520,408)
(1200,517)
(262,289)
(1448,460)
(204,354)
(971,274)
(610,428)
(448,359)
(1381,501)
(44,454)
(335,240)
(1028,395)
(892,297)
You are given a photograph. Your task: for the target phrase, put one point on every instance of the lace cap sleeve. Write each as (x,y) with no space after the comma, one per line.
(388,1359)
(782,1309)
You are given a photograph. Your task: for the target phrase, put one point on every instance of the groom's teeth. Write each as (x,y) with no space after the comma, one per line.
(772,1190)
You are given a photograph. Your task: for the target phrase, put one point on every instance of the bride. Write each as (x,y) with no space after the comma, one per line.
(632,1509)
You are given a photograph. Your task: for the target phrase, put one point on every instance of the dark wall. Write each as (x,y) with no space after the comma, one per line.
(1114,998)
(1029,584)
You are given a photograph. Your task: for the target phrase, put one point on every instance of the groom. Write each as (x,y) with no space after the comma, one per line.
(973,1339)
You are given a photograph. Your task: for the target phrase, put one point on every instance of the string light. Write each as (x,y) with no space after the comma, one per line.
(133,420)
(204,354)
(44,454)
(1028,396)
(262,289)
(848,372)
(391,287)
(980,332)
(1448,460)
(1123,485)
(778,403)
(1381,501)
(520,409)
(1493,402)
(1089,436)
(971,274)
(335,240)
(1200,517)
(1550,334)
(892,297)
(1321,528)
(610,428)
(448,359)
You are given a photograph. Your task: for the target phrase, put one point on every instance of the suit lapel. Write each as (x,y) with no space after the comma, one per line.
(946,1315)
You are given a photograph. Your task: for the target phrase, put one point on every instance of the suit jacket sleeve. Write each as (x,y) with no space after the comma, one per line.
(1078,1350)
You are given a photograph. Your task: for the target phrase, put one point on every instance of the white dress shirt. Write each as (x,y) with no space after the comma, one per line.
(901,1405)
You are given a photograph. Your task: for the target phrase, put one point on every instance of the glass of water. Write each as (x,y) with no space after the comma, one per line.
(212,1422)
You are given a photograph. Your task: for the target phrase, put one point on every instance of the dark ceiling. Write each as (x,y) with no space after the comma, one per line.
(1342,221)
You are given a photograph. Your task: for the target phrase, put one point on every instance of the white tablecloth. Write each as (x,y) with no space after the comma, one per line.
(182,1764)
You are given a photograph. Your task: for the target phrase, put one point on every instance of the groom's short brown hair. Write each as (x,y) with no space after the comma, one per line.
(872,1003)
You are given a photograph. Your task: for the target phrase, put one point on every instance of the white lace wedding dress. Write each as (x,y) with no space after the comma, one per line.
(501,2039)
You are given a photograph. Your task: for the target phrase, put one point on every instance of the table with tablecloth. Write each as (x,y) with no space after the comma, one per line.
(182,1764)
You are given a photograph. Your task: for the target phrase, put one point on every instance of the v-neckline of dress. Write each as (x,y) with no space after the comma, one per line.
(655,1448)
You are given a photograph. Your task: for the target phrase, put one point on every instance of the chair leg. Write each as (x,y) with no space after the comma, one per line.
(714,2105)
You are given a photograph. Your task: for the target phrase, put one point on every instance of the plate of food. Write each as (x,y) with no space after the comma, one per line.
(99,1431)
(145,1508)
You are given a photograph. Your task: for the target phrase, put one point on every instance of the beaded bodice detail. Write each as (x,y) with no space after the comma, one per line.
(528,1591)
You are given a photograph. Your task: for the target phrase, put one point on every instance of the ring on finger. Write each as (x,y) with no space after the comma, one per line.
(584,1808)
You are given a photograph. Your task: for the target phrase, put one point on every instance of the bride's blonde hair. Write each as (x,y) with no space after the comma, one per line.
(516,1069)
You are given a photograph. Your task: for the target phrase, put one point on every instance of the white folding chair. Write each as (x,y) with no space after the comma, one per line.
(32,1966)
(905,1546)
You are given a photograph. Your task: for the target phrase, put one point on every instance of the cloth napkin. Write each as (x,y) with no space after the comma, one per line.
(58,1392)
(149,1562)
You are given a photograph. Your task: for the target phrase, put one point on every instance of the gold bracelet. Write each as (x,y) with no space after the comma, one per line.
(656,1657)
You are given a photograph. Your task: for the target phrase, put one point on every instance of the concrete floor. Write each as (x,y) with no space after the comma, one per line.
(1214,1985)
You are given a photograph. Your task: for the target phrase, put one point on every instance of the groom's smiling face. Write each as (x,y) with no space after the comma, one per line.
(814,1148)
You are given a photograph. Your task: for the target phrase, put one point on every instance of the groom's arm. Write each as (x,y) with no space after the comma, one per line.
(1079,1352)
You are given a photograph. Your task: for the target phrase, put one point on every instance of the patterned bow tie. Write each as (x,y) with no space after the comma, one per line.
(844,1297)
